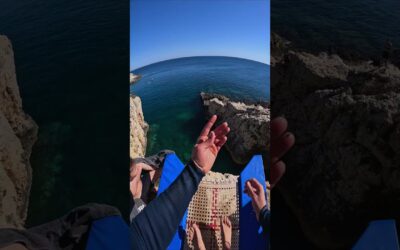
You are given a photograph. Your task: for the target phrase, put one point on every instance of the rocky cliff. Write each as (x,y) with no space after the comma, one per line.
(249,123)
(138,126)
(18,133)
(345,167)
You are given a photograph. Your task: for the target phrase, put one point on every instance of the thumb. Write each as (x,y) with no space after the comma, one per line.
(257,185)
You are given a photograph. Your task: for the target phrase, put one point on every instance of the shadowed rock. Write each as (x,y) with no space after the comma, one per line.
(344,170)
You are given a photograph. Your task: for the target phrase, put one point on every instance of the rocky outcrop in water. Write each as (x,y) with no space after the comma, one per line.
(18,133)
(138,126)
(344,170)
(249,123)
(134,78)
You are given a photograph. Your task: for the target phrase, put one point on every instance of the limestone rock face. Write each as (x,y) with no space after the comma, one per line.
(134,78)
(249,123)
(138,126)
(344,170)
(18,133)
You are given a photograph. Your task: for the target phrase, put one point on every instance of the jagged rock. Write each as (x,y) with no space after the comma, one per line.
(18,133)
(138,126)
(134,78)
(344,170)
(249,123)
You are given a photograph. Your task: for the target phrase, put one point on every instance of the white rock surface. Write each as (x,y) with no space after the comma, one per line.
(249,123)
(138,126)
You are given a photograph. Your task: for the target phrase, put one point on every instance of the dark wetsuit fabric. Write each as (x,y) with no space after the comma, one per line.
(146,186)
(265,219)
(138,206)
(156,225)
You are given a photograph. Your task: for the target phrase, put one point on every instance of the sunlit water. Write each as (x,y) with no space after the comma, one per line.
(170,93)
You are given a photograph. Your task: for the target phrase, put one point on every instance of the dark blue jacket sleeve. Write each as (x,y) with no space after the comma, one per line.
(265,219)
(156,225)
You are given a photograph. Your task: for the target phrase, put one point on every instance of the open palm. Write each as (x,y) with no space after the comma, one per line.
(209,144)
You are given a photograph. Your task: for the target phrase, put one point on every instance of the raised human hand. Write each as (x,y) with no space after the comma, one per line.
(209,144)
(255,190)
(281,142)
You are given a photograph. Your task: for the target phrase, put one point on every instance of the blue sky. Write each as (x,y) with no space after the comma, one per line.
(167,29)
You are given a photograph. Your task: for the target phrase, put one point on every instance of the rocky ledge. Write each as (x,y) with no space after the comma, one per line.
(134,78)
(18,133)
(249,123)
(138,126)
(344,170)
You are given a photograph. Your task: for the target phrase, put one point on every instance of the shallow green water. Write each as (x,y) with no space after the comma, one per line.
(172,106)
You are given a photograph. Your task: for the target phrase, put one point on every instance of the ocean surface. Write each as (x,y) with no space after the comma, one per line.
(69,61)
(170,93)
(72,64)
(350,27)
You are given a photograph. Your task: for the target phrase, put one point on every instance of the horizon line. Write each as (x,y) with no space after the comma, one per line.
(130,70)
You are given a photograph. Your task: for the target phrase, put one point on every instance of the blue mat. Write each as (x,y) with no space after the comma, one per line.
(109,233)
(251,236)
(171,170)
(380,234)
(250,231)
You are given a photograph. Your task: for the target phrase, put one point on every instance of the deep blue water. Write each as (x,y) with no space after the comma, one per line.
(72,59)
(170,92)
(358,27)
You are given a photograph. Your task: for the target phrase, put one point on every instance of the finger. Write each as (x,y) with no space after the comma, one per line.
(281,146)
(257,185)
(221,142)
(221,129)
(208,126)
(134,170)
(277,171)
(133,185)
(211,138)
(147,167)
(138,170)
(131,175)
(220,135)
(202,139)
(136,178)
(250,190)
(252,186)
(278,127)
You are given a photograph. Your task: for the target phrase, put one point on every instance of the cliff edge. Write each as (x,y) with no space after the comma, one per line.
(249,123)
(138,126)
(18,133)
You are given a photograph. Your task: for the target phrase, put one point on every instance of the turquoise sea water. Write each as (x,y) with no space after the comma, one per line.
(170,92)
